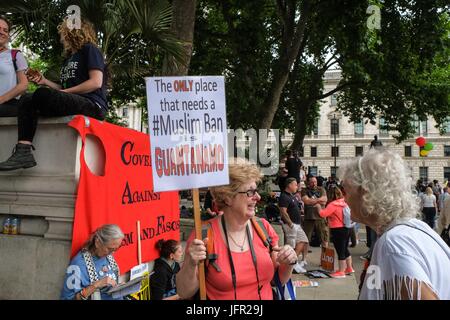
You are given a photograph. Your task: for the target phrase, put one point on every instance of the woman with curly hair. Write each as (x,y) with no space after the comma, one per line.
(409,260)
(82,90)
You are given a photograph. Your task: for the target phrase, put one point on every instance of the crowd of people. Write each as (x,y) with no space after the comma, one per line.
(413,260)
(242,253)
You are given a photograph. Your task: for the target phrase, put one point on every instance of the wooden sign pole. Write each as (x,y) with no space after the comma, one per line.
(198,235)
(139,241)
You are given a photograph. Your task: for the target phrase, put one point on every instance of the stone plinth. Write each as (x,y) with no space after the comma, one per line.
(33,263)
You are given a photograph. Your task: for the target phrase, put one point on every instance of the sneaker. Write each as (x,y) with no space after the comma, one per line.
(303,263)
(337,275)
(349,271)
(299,269)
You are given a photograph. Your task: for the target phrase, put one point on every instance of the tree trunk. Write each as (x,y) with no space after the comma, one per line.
(300,124)
(289,50)
(183,22)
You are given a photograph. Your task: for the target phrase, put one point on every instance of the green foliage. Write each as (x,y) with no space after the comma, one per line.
(235,38)
(396,73)
(132,34)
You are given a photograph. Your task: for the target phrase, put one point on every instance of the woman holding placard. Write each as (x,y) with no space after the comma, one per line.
(241,263)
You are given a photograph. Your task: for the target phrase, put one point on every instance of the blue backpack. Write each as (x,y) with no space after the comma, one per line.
(348,223)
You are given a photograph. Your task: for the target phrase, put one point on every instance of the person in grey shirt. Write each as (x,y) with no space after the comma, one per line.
(13,81)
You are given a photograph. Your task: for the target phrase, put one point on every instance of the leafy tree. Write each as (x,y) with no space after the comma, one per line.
(133,47)
(275,57)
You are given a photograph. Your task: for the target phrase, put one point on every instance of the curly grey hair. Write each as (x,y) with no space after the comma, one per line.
(387,179)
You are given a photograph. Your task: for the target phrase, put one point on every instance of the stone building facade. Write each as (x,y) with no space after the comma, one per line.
(353,139)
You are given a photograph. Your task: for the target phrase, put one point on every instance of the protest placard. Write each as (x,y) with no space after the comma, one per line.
(188,132)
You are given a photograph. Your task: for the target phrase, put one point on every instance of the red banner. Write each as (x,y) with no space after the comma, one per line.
(123,195)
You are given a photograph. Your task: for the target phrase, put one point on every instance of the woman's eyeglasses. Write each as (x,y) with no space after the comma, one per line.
(113,249)
(250,193)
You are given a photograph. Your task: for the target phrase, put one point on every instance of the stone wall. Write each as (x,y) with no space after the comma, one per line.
(33,263)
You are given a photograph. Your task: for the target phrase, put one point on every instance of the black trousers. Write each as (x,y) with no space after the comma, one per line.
(52,103)
(429,215)
(340,241)
(9,108)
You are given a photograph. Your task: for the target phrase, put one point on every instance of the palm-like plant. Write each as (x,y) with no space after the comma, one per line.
(132,33)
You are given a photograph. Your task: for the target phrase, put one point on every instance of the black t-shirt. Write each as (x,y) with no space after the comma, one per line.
(310,211)
(290,202)
(75,71)
(293,167)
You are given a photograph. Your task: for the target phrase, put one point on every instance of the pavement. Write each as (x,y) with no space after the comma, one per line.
(330,288)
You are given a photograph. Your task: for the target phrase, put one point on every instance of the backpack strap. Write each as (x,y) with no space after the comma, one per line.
(261,230)
(212,256)
(207,232)
(14,57)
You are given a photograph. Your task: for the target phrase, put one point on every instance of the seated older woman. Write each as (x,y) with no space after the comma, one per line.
(245,266)
(94,269)
(409,261)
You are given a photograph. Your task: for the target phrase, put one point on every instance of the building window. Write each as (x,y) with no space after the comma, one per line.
(125,112)
(359,151)
(424,127)
(359,129)
(423,174)
(312,170)
(313,151)
(408,151)
(447,173)
(383,129)
(333,170)
(446,151)
(335,151)
(420,127)
(334,100)
(447,126)
(316,128)
(334,124)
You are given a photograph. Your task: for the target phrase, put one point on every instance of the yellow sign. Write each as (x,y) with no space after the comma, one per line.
(144,293)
